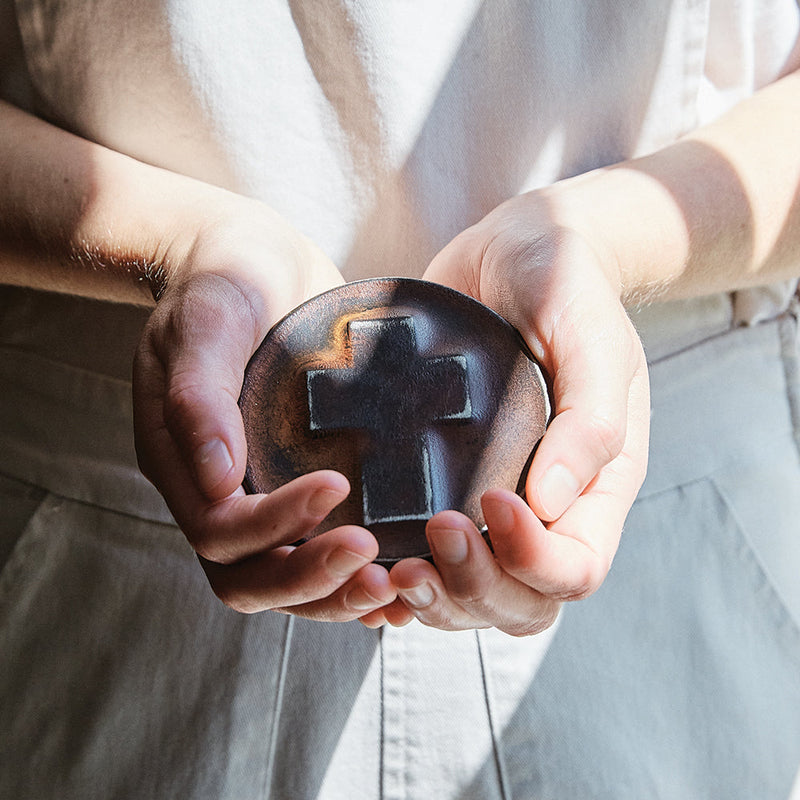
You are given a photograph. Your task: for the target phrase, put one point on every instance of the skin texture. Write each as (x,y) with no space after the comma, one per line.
(718,210)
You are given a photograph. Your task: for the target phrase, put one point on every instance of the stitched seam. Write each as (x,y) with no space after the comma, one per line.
(381,716)
(276,717)
(794,623)
(499,760)
(790,358)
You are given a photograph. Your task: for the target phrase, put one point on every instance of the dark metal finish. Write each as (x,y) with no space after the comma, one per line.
(420,395)
(365,397)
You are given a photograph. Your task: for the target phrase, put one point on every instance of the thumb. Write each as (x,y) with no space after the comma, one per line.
(187,381)
(597,366)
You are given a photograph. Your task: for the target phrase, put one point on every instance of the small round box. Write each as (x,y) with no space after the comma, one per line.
(421,396)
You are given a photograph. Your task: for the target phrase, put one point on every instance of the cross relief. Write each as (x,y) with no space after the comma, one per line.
(391,397)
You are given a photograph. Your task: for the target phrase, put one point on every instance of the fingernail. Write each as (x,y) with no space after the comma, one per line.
(557,489)
(418,596)
(322,501)
(345,562)
(358,600)
(212,462)
(449,546)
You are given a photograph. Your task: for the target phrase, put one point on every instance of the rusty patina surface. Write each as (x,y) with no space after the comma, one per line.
(421,396)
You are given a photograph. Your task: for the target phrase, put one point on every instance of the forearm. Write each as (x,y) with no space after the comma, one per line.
(719,210)
(77,217)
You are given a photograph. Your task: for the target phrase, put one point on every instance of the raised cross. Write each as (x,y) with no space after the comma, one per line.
(390,397)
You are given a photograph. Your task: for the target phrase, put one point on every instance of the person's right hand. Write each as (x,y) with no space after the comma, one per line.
(242,274)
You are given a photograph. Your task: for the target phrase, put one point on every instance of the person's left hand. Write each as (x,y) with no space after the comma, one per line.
(559,288)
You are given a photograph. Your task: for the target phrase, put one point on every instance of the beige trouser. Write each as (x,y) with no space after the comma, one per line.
(121,676)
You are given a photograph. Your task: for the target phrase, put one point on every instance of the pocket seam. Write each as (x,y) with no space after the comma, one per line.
(746,551)
(20,554)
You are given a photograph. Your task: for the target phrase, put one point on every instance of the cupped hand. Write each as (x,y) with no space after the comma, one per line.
(557,283)
(243,272)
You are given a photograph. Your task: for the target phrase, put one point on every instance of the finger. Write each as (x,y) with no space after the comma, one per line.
(242,525)
(558,565)
(238,526)
(420,588)
(470,590)
(475,582)
(292,576)
(570,558)
(230,529)
(456,266)
(367,591)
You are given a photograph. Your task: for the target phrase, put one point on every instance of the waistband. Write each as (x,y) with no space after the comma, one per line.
(669,327)
(66,416)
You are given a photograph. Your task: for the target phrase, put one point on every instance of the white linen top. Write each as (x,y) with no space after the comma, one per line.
(381,130)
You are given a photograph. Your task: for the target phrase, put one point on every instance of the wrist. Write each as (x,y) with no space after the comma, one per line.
(138,227)
(241,242)
(79,218)
(631,223)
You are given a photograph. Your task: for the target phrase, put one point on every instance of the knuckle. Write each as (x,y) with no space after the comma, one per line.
(230,591)
(189,309)
(535,625)
(238,601)
(468,597)
(586,582)
(144,361)
(181,400)
(607,433)
(210,550)
(439,616)
(170,322)
(207,302)
(633,468)
(205,539)
(444,623)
